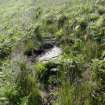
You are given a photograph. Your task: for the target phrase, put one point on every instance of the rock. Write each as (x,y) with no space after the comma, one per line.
(51,54)
(54,70)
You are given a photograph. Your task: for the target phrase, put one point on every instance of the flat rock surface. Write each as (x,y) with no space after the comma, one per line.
(50,54)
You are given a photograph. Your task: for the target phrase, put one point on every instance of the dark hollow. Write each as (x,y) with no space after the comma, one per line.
(47,46)
(38,52)
(34,52)
(28,53)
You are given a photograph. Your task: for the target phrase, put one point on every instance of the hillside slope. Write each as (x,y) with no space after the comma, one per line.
(52,52)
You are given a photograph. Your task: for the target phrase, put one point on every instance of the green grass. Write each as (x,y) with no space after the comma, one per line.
(79,27)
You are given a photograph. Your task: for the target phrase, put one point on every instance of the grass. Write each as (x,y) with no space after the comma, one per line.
(79,28)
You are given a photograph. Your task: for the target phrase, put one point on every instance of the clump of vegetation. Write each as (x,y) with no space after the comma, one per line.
(98,78)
